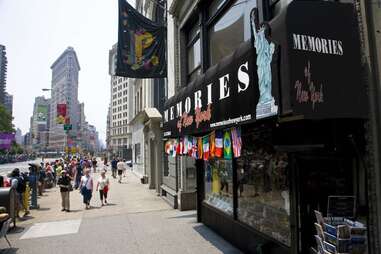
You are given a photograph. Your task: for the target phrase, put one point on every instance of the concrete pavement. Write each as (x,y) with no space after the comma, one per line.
(136,221)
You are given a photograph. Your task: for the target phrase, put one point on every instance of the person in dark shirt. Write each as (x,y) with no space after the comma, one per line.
(64,182)
(114,163)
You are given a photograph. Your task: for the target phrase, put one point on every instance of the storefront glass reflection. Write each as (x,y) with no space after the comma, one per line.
(263,190)
(219,184)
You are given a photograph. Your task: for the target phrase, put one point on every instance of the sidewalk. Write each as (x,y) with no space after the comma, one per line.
(135,221)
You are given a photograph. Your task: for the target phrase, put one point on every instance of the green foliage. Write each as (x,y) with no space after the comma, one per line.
(5,120)
(16,148)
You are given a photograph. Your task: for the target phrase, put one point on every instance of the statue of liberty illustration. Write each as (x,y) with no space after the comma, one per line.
(264,50)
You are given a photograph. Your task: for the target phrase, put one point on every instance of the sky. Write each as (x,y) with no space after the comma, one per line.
(36,33)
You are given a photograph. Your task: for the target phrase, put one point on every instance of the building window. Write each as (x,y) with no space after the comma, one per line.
(193,53)
(229,29)
(219,184)
(263,189)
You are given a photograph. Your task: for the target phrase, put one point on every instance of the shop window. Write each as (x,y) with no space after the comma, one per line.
(263,189)
(230,29)
(219,184)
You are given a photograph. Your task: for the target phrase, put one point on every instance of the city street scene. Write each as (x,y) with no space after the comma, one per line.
(190,126)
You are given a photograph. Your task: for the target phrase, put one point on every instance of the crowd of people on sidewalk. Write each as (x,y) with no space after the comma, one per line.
(68,174)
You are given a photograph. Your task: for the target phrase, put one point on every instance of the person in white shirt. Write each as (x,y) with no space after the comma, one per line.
(121,166)
(86,188)
(103,186)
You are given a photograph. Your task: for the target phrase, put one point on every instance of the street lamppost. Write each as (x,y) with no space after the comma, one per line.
(68,109)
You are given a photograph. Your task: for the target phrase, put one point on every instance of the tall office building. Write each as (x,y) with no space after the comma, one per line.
(64,90)
(8,103)
(39,128)
(3,73)
(120,115)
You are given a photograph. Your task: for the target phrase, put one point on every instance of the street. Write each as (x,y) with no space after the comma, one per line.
(136,220)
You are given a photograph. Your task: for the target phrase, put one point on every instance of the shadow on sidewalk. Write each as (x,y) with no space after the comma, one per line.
(192,215)
(16,230)
(9,251)
(215,240)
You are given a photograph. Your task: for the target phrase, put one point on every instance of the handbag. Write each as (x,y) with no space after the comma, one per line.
(105,189)
(70,187)
(83,188)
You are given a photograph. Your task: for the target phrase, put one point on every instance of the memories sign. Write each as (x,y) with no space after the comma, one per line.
(325,64)
(227,94)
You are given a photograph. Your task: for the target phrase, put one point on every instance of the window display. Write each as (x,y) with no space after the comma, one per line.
(219,184)
(263,189)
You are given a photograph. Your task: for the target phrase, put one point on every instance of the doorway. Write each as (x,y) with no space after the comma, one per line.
(319,176)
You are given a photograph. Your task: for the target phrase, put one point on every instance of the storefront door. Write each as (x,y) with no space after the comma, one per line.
(319,177)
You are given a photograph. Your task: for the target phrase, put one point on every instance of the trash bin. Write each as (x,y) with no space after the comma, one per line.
(8,200)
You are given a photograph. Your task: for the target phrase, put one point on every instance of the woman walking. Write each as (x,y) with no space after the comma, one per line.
(86,188)
(103,185)
(65,188)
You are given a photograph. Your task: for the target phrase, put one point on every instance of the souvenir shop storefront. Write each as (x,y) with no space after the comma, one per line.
(277,133)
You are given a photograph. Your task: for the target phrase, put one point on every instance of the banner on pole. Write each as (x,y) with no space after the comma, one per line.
(141,45)
(6,140)
(42,114)
(61,113)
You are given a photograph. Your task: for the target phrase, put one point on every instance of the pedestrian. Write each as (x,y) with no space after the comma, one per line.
(125,168)
(94,162)
(41,181)
(65,188)
(114,163)
(121,168)
(103,186)
(105,161)
(18,183)
(86,188)
(78,175)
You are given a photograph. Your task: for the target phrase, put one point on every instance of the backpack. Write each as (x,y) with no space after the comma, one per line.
(21,184)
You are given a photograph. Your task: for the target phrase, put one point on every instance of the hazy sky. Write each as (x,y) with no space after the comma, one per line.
(36,32)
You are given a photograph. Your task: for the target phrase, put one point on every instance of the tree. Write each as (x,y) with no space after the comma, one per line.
(5,120)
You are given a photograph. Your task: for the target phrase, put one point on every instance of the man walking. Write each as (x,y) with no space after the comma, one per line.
(65,188)
(114,163)
(121,165)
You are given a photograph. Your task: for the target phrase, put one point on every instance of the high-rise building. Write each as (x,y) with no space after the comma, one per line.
(120,114)
(64,90)
(40,123)
(18,136)
(8,102)
(3,73)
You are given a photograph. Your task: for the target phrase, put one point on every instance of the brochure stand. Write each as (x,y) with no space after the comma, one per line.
(339,235)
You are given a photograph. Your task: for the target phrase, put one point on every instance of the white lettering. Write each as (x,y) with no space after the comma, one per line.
(224,89)
(296,41)
(209,94)
(165,116)
(172,115)
(188,104)
(243,77)
(197,99)
(179,108)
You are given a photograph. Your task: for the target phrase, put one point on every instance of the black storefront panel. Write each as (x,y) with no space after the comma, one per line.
(306,82)
(226,95)
(324,56)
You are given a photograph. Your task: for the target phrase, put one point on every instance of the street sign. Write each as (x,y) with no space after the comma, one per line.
(68,127)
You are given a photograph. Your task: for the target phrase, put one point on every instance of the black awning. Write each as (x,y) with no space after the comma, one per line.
(315,74)
(227,93)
